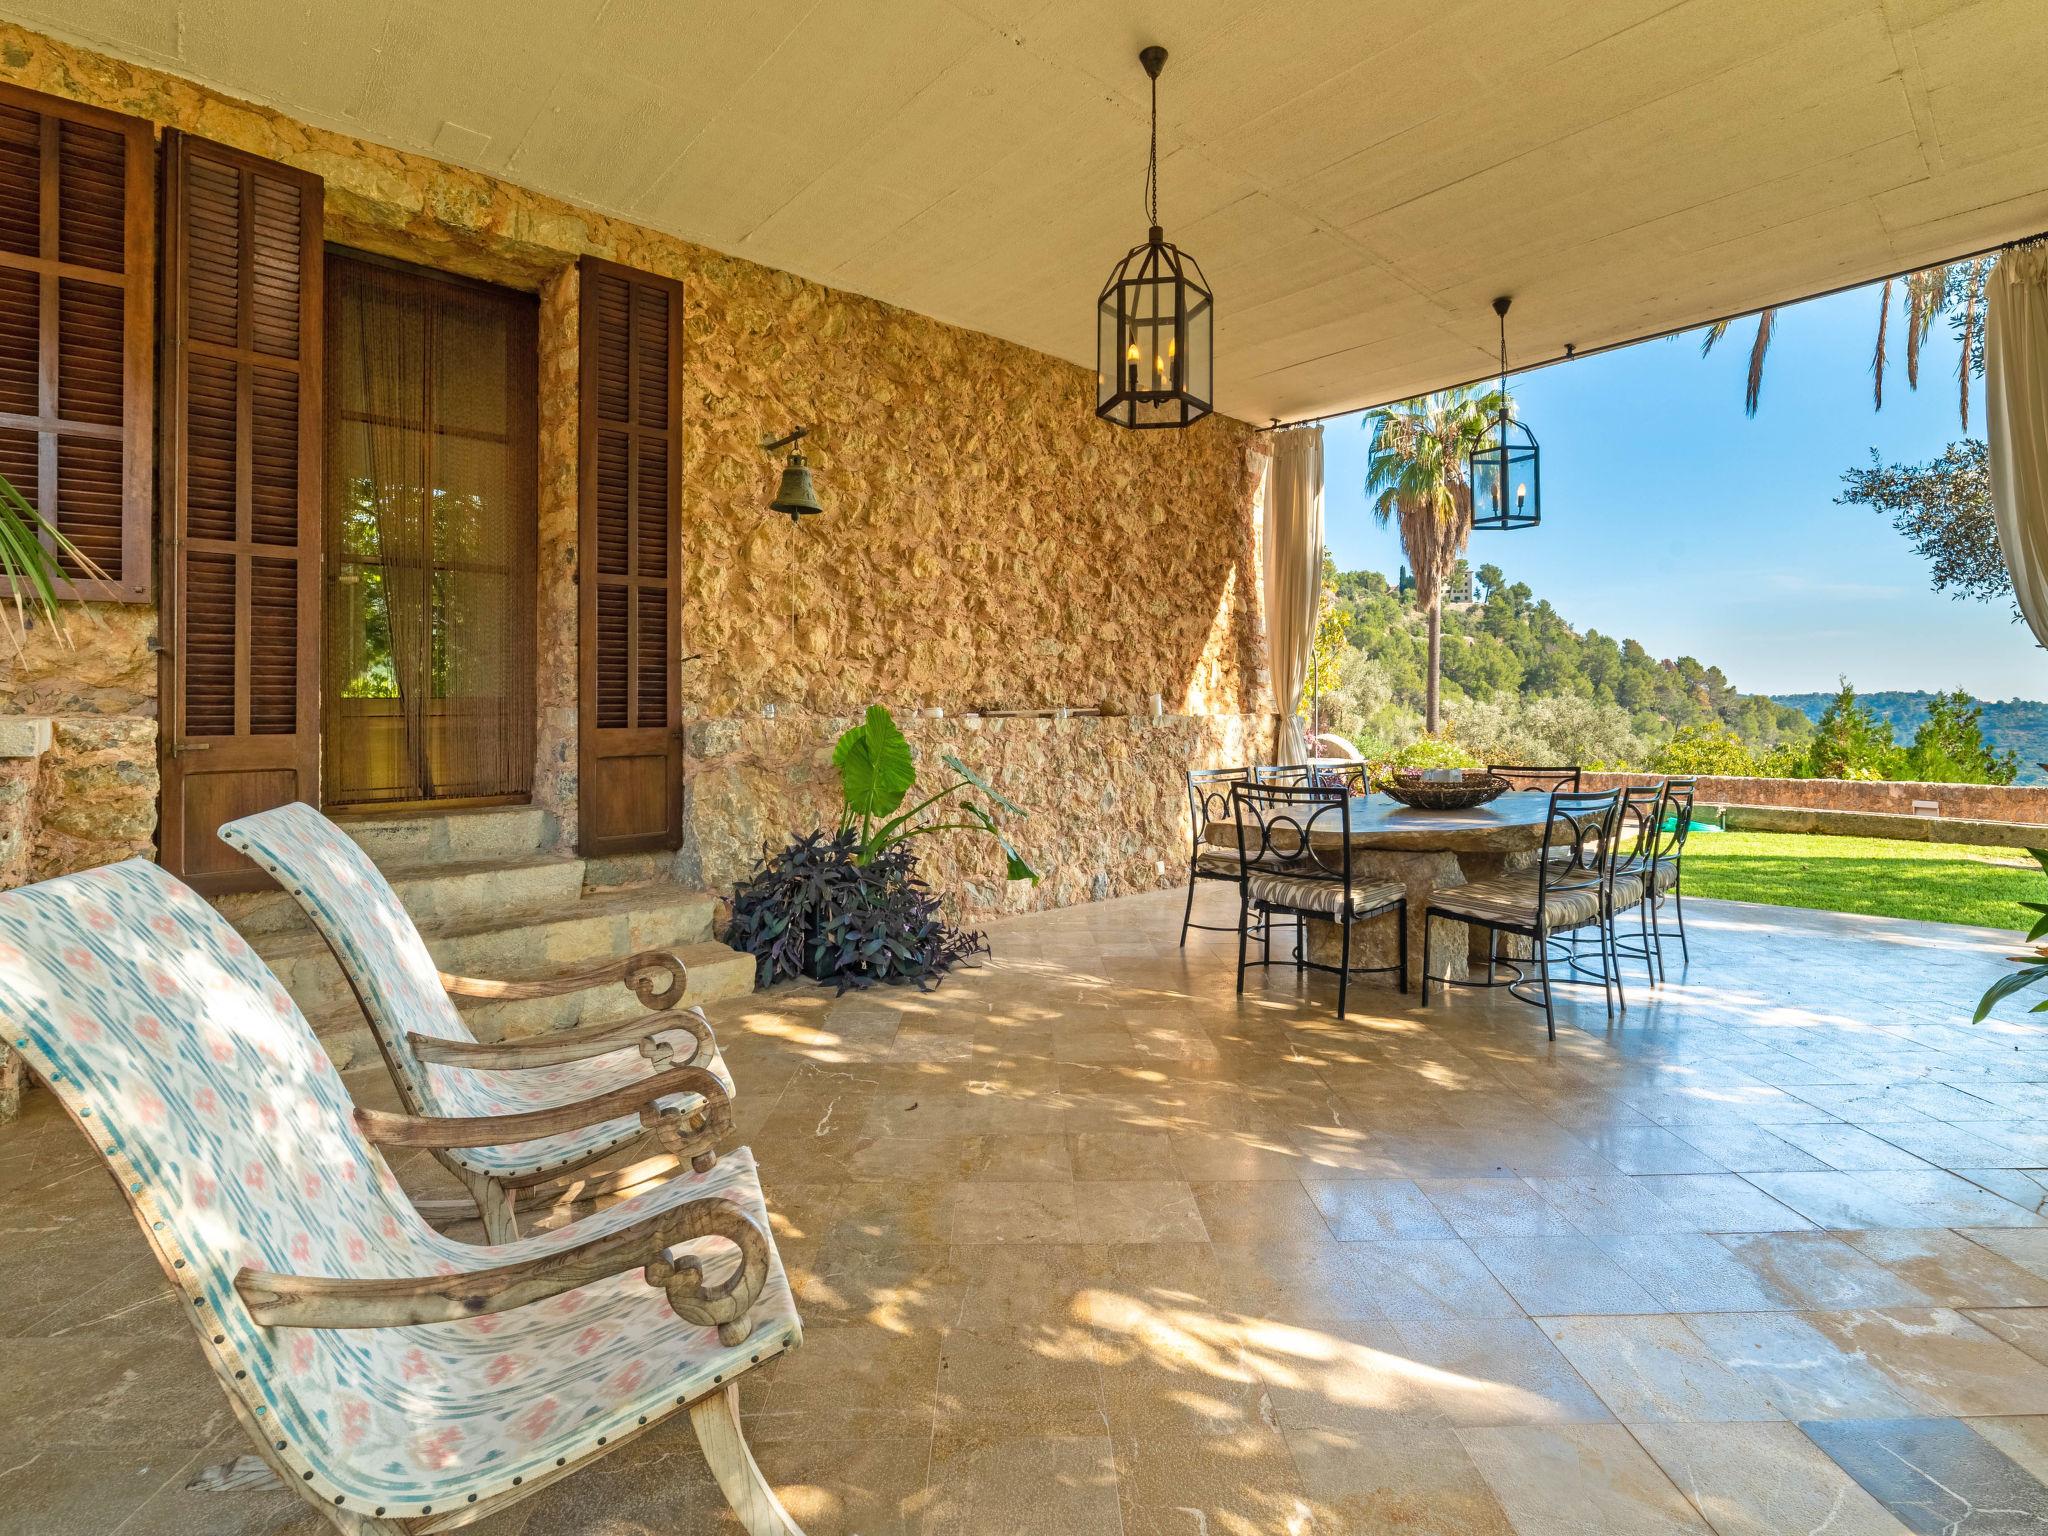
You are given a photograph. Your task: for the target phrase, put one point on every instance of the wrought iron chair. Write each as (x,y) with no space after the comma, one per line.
(1638,831)
(1667,871)
(1565,893)
(396,1379)
(576,1077)
(1524,776)
(1281,773)
(1209,801)
(1294,842)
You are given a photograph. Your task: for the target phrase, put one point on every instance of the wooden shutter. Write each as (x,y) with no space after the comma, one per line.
(630,560)
(77,247)
(241,487)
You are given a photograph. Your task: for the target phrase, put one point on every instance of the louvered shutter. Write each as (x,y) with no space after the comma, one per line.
(242,490)
(629,560)
(77,245)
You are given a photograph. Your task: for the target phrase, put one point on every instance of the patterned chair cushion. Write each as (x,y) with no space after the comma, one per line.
(196,1076)
(1305,895)
(374,939)
(1665,878)
(1628,891)
(1510,901)
(1213,860)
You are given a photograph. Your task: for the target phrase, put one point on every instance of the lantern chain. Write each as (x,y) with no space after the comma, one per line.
(1152,161)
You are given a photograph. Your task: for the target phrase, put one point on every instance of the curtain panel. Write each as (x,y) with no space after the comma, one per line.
(1293,576)
(2016,404)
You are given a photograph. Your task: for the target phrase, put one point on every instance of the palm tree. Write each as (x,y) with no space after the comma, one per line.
(1415,476)
(1929,292)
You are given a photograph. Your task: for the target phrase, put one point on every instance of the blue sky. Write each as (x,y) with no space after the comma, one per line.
(1672,518)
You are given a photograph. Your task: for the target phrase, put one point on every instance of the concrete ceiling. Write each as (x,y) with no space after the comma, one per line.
(1357,179)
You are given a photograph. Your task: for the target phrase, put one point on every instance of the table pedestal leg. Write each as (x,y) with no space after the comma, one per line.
(1373,942)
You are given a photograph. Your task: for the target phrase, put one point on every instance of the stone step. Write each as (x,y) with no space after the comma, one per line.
(578,932)
(716,975)
(436,894)
(451,837)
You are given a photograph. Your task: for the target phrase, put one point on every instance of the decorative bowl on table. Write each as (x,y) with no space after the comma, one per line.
(1441,793)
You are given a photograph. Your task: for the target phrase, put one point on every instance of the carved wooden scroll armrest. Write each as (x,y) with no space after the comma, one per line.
(303,1301)
(641,1033)
(656,976)
(689,1134)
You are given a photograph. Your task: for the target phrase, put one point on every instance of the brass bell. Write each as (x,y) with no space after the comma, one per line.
(796,496)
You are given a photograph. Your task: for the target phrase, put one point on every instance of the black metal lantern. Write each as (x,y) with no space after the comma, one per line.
(1155,320)
(1506,490)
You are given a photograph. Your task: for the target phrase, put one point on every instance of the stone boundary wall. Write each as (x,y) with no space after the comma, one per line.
(1107,797)
(1970,802)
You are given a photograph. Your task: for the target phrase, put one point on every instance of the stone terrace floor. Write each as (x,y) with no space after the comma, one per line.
(1085,1244)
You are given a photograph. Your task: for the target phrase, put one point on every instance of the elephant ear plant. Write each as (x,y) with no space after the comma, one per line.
(2033,968)
(848,906)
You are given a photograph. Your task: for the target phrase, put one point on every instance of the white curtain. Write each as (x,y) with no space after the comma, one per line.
(2016,405)
(1294,575)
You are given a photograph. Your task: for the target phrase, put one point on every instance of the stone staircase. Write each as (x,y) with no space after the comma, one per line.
(490,901)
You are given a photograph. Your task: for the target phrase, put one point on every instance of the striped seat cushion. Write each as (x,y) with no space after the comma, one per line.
(1510,901)
(1213,860)
(1628,891)
(1305,895)
(1665,878)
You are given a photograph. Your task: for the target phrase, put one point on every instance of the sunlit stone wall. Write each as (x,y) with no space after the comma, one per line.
(987,542)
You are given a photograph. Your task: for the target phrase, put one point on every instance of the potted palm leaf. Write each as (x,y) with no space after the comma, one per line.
(30,551)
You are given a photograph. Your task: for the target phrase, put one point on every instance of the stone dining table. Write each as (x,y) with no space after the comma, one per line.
(1422,852)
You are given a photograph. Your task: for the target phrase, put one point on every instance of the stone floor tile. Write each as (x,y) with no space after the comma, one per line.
(1498,1207)
(1136,1211)
(1561,1276)
(1723,1202)
(1950,1269)
(1748,1148)
(1849,1149)
(1818,1269)
(1121,1155)
(1763,1480)
(1417,1479)
(1569,1479)
(1039,1211)
(1242,1480)
(1259,1211)
(1802,1372)
(1940,1358)
(1937,1476)
(1021,1485)
(1041,1379)
(1649,1149)
(1425,1278)
(1927,1198)
(1655,1370)
(1502,1371)
(1367,1210)
(1692,1272)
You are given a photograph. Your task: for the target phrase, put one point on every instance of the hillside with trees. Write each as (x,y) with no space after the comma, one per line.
(1520,683)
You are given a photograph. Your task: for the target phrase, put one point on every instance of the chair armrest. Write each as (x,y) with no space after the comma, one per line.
(682,1133)
(642,972)
(575,1044)
(305,1301)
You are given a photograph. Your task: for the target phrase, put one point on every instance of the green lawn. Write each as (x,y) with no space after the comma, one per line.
(1936,882)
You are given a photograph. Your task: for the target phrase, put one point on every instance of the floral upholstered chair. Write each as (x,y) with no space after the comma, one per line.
(399,1380)
(442,1070)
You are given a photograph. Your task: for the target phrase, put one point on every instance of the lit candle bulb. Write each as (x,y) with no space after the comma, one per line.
(1173,357)
(1521,495)
(1131,365)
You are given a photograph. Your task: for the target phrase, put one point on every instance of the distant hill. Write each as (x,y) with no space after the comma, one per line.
(2017,725)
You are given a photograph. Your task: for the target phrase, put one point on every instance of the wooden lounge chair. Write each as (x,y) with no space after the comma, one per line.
(590,1079)
(400,1380)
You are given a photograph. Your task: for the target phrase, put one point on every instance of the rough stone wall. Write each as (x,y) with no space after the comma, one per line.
(987,541)
(1977,802)
(1107,803)
(92,797)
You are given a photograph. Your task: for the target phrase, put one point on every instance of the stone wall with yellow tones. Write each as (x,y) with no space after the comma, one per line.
(987,542)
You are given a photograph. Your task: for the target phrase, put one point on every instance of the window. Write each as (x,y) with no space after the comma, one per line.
(76,234)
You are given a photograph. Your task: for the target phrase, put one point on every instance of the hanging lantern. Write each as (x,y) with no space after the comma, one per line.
(796,496)
(1506,492)
(1154,363)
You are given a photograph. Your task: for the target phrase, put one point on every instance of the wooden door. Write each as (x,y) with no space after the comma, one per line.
(241,491)
(630,561)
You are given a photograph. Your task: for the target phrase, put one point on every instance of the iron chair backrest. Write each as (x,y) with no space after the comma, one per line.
(1281,773)
(1564,776)
(1639,827)
(1352,778)
(1209,799)
(1678,798)
(1578,842)
(1286,829)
